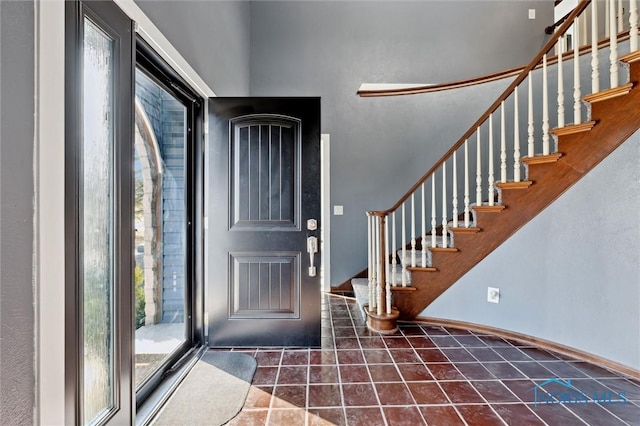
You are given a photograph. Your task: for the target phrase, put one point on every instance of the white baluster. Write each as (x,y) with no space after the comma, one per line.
(516,137)
(394,262)
(613,46)
(595,72)
(433,211)
(413,231)
(545,108)
(386,259)
(491,188)
(404,251)
(633,25)
(607,17)
(577,93)
(530,128)
(455,191)
(370,272)
(424,229)
(560,87)
(379,300)
(466,184)
(478,172)
(503,146)
(444,204)
(620,16)
(374,281)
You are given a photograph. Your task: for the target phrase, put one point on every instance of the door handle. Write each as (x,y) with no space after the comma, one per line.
(312,249)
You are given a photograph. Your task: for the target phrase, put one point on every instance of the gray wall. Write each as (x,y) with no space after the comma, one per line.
(380,147)
(213,36)
(572,274)
(17,326)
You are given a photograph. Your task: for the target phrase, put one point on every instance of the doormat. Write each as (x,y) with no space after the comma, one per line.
(213,392)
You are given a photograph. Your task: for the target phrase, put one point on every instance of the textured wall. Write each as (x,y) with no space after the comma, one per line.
(17,326)
(380,147)
(213,36)
(572,274)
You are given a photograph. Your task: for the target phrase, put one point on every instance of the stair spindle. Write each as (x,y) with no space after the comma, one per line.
(434,242)
(491,188)
(444,205)
(595,72)
(633,25)
(478,172)
(516,137)
(560,87)
(413,231)
(607,17)
(455,191)
(620,16)
(386,259)
(394,262)
(466,184)
(545,108)
(424,229)
(371,270)
(530,128)
(577,93)
(503,146)
(379,283)
(404,250)
(613,46)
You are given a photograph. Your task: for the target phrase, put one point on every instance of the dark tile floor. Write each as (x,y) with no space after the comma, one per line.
(428,375)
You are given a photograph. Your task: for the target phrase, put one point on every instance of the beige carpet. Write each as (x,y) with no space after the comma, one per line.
(213,392)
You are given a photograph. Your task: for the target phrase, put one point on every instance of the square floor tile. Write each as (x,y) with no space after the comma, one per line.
(461,392)
(445,371)
(478,415)
(289,397)
(326,417)
(325,396)
(427,393)
(364,416)
(494,391)
(393,394)
(350,357)
(323,374)
(403,416)
(376,356)
(354,374)
(474,371)
(414,372)
(292,375)
(441,415)
(384,373)
(517,414)
(359,395)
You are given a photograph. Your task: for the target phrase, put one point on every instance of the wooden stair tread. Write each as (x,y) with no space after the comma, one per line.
(630,57)
(421,269)
(497,208)
(458,230)
(401,289)
(524,184)
(443,249)
(603,95)
(542,159)
(573,128)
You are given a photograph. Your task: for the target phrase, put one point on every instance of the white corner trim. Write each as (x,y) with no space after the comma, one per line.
(152,35)
(325,214)
(49,256)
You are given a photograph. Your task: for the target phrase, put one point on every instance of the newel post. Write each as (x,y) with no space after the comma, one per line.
(381,316)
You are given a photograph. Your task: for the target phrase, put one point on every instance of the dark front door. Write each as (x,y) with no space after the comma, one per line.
(264,210)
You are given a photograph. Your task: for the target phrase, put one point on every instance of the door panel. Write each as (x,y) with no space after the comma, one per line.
(264,186)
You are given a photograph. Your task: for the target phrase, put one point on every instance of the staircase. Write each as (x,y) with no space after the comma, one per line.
(511,194)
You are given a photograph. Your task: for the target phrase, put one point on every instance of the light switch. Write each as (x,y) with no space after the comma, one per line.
(338,210)
(532,14)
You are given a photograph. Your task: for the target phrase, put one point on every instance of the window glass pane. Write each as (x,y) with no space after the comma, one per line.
(160,225)
(97,223)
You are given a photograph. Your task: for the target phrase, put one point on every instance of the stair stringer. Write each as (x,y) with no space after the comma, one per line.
(616,120)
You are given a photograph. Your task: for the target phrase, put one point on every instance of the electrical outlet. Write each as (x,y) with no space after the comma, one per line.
(338,210)
(532,14)
(493,295)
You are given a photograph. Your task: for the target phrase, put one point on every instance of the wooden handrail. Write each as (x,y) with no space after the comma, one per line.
(515,83)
